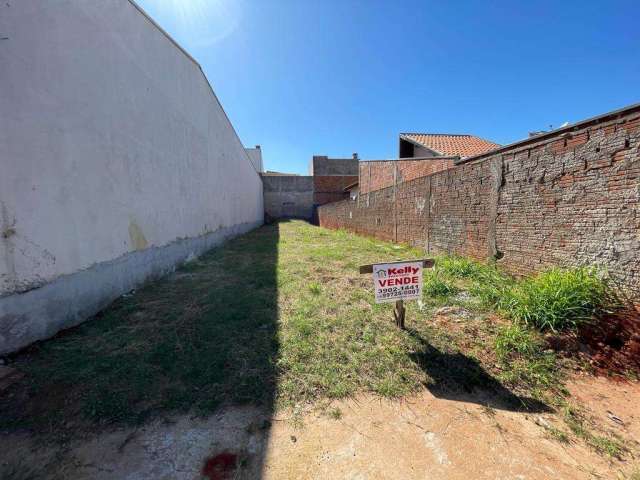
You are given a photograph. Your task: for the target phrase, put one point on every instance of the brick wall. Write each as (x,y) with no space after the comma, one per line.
(330,188)
(378,174)
(569,198)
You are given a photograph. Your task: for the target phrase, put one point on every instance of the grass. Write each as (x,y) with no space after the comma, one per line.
(281,318)
(607,445)
(555,299)
(558,299)
(557,434)
(277,317)
(524,360)
(439,285)
(201,338)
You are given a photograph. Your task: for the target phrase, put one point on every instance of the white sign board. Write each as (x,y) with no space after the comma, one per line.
(397,281)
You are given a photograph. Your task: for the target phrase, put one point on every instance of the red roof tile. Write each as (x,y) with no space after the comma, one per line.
(447,144)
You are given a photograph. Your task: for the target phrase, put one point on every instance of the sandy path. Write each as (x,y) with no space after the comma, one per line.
(421,438)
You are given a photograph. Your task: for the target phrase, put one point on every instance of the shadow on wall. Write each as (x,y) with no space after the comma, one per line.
(202,338)
(461,378)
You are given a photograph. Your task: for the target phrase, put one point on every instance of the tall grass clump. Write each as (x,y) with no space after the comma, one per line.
(558,299)
(461,267)
(491,287)
(437,284)
(523,359)
(485,282)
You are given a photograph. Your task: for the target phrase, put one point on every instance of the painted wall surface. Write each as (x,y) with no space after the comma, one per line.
(288,196)
(255,155)
(571,198)
(112,144)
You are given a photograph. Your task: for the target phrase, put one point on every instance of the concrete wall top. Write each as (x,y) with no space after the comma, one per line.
(255,155)
(287,183)
(334,166)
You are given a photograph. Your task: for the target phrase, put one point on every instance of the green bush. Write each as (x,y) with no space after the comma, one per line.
(557,299)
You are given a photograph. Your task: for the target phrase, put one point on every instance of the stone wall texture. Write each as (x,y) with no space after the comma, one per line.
(570,198)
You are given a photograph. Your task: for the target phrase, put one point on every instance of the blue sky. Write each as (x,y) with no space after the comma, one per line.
(332,77)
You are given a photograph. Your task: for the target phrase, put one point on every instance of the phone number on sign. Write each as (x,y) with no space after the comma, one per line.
(397,292)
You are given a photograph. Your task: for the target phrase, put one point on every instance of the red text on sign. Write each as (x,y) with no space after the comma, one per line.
(397,281)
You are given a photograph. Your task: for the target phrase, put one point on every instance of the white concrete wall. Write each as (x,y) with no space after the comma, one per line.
(255,154)
(111,142)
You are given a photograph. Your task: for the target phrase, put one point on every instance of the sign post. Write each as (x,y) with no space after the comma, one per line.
(396,282)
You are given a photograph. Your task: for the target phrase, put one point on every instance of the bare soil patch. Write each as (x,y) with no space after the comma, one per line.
(366,437)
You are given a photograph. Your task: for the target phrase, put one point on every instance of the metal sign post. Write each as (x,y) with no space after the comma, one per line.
(396,282)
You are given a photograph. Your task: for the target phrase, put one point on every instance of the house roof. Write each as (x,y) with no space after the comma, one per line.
(451,144)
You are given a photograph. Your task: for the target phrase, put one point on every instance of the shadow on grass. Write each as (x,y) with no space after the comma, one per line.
(200,339)
(458,377)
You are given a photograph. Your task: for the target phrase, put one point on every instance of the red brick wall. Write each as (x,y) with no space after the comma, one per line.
(376,175)
(561,201)
(330,188)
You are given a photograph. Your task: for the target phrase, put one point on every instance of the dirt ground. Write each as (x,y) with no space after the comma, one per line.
(422,437)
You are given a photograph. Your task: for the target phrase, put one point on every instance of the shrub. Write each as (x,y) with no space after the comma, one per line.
(557,299)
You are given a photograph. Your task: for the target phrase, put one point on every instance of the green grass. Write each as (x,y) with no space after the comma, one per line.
(607,445)
(203,337)
(462,267)
(277,317)
(437,284)
(281,318)
(524,360)
(557,299)
(557,434)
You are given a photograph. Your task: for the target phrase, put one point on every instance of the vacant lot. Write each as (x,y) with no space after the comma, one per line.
(277,330)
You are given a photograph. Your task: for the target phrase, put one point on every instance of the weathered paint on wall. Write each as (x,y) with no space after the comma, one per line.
(111,142)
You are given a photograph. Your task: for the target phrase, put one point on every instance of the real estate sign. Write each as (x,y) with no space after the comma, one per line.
(397,281)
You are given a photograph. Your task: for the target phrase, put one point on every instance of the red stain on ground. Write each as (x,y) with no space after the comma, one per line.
(220,467)
(611,345)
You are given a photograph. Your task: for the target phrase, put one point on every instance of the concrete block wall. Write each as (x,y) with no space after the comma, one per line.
(117,162)
(288,196)
(571,197)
